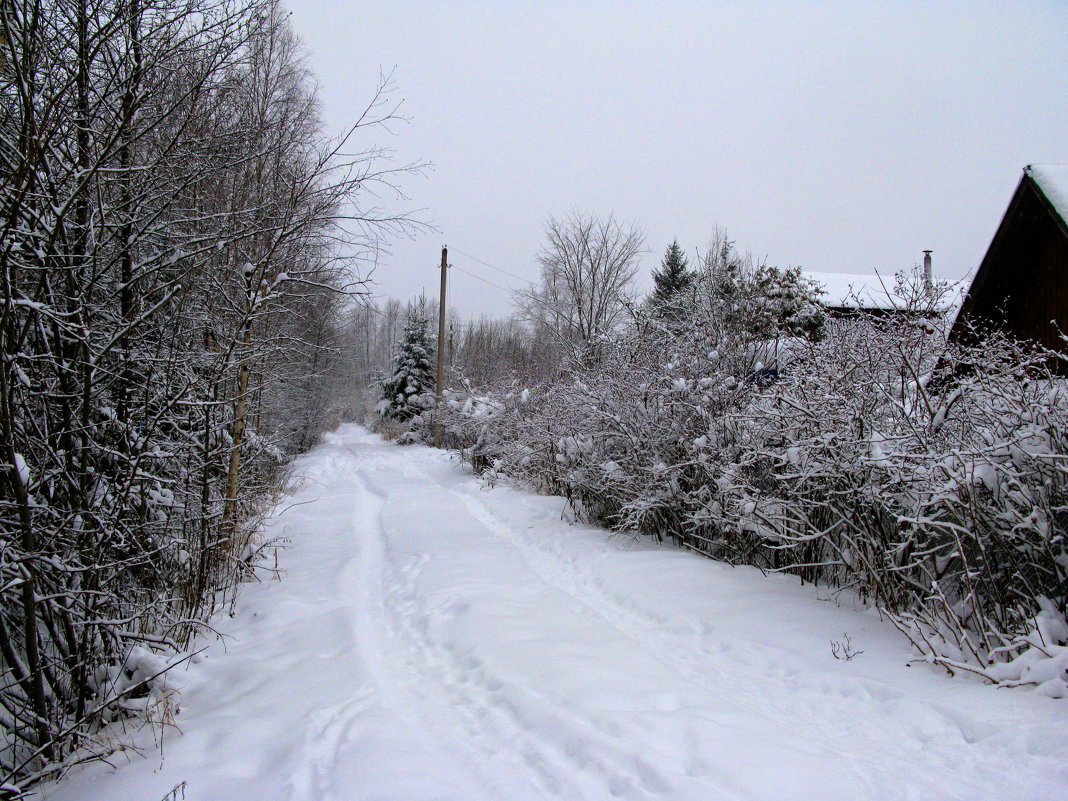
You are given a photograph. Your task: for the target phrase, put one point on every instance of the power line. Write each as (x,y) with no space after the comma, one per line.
(493,266)
(480,278)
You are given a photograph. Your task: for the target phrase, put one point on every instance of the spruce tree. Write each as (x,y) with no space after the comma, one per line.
(672,277)
(407,392)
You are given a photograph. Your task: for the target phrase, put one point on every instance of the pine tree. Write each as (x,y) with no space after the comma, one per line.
(672,277)
(407,392)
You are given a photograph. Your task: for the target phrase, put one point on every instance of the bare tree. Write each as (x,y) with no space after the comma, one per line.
(175,258)
(587,270)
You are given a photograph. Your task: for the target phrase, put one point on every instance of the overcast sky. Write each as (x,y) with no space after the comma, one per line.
(839,136)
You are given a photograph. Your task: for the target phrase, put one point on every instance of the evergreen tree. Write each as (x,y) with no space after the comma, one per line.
(408,391)
(672,277)
(784,303)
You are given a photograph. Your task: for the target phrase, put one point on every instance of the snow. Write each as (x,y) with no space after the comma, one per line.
(22,469)
(433,639)
(27,303)
(1052,179)
(856,291)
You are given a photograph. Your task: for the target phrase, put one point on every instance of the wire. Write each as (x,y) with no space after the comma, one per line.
(492,266)
(480,278)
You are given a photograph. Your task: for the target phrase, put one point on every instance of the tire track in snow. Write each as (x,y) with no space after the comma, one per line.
(415,678)
(390,705)
(629,620)
(825,734)
(563,750)
(634,624)
(554,742)
(495,725)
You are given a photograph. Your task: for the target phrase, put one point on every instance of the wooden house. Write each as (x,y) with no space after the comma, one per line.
(849,294)
(1021,286)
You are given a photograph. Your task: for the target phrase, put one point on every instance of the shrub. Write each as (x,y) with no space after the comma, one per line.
(863,453)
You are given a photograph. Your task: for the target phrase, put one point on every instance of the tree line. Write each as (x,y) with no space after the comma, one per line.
(178,250)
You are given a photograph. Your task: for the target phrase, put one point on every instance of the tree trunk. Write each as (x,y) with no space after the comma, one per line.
(233,474)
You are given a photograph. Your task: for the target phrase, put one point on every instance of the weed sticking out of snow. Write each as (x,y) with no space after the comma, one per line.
(843,649)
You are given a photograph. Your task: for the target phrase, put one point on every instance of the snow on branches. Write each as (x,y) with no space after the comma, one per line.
(409,389)
(861,452)
(171,218)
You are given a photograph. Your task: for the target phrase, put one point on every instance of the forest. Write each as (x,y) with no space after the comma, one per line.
(180,244)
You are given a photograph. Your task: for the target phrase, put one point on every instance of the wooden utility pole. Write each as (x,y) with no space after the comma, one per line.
(439,378)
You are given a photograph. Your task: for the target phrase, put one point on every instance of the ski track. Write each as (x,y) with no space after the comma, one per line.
(436,641)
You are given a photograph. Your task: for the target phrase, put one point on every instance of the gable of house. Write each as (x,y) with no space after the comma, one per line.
(1021,286)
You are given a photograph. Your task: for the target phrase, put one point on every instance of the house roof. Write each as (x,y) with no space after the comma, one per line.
(1020,286)
(1052,180)
(856,291)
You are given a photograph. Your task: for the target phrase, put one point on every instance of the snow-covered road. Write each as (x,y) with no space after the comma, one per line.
(434,640)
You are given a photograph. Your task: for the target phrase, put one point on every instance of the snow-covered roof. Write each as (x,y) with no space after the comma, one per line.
(854,290)
(1052,179)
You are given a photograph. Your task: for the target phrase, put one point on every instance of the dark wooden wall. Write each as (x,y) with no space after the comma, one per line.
(1021,287)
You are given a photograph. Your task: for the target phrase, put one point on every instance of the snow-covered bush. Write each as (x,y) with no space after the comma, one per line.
(617,437)
(482,425)
(862,453)
(938,497)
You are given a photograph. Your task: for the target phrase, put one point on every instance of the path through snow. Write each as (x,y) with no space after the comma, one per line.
(434,640)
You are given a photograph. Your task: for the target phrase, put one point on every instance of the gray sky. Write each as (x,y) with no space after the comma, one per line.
(839,136)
